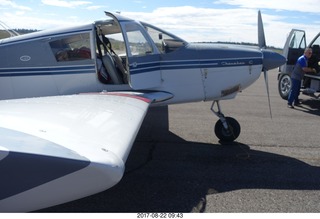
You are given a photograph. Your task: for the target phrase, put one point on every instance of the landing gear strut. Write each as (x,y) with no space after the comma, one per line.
(227,128)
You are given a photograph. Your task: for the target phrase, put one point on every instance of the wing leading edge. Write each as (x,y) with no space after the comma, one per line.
(58,149)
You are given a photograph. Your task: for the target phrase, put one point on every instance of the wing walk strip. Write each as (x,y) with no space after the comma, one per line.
(58,149)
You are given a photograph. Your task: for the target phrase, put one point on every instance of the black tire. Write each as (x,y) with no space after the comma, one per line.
(227,135)
(284,86)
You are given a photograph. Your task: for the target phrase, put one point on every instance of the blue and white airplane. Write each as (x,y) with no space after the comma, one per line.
(73,100)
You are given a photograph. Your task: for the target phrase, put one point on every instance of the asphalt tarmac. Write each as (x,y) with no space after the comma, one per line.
(177,164)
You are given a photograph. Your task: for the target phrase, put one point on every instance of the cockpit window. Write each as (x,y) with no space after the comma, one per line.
(72,48)
(164,41)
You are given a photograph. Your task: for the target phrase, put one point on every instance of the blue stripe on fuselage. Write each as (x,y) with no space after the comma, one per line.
(16,72)
(181,64)
(140,68)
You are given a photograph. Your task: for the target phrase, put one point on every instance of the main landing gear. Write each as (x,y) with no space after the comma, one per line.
(227,129)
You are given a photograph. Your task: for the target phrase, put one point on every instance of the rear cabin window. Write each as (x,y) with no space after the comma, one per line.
(72,48)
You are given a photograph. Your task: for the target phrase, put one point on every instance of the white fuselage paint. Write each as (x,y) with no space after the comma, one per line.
(187,85)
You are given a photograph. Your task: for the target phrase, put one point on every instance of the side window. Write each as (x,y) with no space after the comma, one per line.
(138,44)
(72,48)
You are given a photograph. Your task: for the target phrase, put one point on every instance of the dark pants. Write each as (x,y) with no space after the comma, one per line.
(294,92)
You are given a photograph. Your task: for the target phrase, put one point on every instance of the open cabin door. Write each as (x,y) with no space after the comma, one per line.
(293,49)
(143,58)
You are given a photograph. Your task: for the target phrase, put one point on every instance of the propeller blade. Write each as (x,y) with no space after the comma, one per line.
(267,86)
(261,36)
(270,59)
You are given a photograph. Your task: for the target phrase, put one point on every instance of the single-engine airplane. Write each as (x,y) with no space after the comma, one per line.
(73,100)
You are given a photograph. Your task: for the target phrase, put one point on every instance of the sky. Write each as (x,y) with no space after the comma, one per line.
(192,20)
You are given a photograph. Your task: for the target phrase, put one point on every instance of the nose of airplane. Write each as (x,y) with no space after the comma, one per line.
(272,59)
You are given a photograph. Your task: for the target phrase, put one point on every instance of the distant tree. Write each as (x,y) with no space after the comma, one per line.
(6,34)
(24,31)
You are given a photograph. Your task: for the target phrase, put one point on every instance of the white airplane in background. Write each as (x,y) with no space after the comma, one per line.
(73,99)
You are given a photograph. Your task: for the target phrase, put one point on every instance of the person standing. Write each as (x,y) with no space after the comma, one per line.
(300,68)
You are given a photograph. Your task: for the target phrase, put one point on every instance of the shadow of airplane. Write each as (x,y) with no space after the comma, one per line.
(165,173)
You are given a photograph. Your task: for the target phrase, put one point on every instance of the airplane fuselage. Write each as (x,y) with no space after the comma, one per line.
(30,66)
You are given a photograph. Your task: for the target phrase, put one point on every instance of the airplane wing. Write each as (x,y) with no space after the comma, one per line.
(58,149)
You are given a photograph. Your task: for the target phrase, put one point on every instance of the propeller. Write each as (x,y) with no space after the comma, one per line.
(261,36)
(263,46)
(270,58)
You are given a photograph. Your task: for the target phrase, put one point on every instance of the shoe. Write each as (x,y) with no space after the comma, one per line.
(290,106)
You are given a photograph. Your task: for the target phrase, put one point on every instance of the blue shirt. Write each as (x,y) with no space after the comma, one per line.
(297,72)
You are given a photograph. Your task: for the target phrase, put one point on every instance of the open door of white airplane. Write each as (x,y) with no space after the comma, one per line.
(293,49)
(142,56)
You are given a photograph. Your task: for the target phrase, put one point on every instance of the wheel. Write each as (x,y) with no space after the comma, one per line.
(227,135)
(284,86)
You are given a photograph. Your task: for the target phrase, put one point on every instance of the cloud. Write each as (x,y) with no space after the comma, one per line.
(194,24)
(66,4)
(39,23)
(208,24)
(95,7)
(237,24)
(310,6)
(11,4)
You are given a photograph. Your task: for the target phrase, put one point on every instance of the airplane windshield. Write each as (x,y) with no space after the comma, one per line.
(165,41)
